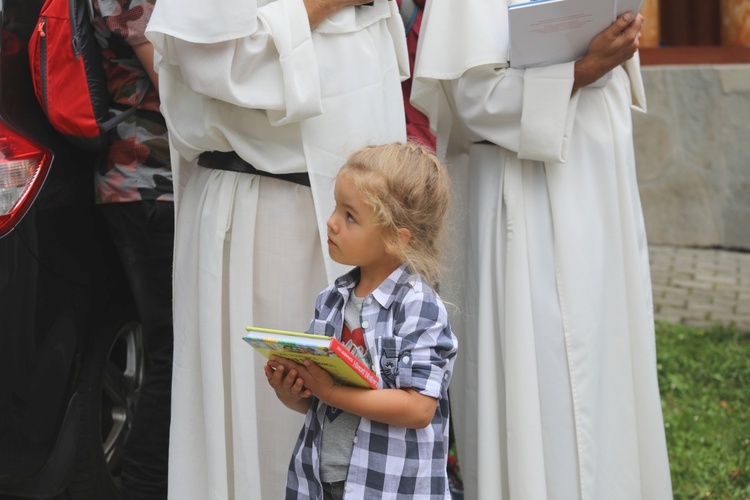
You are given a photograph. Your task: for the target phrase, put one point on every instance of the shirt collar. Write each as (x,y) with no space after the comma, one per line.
(385,293)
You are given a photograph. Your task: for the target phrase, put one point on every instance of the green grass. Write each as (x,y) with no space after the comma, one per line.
(704,378)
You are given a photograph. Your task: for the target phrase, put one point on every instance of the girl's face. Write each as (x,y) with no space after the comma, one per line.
(353,237)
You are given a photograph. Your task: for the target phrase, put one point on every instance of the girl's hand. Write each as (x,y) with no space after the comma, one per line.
(314,378)
(609,49)
(318,380)
(290,388)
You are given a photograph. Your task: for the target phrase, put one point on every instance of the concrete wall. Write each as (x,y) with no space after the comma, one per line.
(693,155)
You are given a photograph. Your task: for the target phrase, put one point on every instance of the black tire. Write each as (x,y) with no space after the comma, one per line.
(111,378)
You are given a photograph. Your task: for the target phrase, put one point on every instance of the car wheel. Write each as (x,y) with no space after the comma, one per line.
(110,383)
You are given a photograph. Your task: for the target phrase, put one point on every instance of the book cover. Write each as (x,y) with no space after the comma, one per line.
(327,352)
(545,32)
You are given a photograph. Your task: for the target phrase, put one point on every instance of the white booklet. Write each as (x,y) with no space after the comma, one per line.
(545,32)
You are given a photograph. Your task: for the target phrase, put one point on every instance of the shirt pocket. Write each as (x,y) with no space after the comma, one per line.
(392,361)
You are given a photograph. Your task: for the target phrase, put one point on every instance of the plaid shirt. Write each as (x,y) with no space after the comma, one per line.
(406,329)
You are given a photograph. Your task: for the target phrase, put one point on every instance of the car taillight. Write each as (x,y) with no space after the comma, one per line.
(23,168)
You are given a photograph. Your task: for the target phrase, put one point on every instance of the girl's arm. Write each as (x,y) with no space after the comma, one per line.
(400,407)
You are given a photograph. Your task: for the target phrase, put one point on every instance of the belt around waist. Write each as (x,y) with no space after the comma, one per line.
(231,161)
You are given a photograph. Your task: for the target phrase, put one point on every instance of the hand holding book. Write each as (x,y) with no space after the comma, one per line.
(327,352)
(607,50)
(288,385)
(545,32)
(402,407)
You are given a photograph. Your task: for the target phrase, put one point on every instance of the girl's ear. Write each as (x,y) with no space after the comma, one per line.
(404,237)
(398,243)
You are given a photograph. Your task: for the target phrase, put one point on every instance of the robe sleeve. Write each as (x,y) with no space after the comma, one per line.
(530,112)
(274,68)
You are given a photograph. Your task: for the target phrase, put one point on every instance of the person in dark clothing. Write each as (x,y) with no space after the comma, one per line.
(133,187)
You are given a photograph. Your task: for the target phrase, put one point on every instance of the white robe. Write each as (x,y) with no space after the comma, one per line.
(249,250)
(555,393)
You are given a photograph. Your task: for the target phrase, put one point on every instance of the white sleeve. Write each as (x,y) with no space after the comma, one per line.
(274,68)
(529,111)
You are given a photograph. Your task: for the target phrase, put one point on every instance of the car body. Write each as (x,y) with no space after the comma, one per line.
(71,355)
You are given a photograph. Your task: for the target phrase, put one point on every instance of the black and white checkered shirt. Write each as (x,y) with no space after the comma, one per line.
(406,329)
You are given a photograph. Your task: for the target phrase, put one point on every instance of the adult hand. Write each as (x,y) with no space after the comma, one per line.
(145,54)
(609,49)
(317,10)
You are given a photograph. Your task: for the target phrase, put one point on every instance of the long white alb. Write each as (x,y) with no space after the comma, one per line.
(555,393)
(250,76)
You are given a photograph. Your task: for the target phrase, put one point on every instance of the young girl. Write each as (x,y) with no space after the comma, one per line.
(392,442)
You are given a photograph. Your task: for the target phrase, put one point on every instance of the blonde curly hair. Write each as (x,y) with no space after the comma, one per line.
(406,187)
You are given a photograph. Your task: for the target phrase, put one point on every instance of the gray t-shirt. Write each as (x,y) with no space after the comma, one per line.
(340,427)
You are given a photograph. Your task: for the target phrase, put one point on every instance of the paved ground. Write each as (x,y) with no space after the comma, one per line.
(701,287)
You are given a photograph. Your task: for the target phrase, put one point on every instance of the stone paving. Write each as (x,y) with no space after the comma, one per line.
(701,287)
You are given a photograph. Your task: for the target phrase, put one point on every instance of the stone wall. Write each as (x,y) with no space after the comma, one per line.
(693,155)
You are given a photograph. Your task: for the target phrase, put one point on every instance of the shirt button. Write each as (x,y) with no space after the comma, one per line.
(365,324)
(368,300)
(356,439)
(348,489)
(406,360)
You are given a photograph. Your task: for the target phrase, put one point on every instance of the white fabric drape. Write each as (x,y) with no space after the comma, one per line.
(251,77)
(555,393)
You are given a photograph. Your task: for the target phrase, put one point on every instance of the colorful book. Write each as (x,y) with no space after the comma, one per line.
(327,352)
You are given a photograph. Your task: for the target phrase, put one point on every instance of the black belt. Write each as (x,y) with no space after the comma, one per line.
(231,161)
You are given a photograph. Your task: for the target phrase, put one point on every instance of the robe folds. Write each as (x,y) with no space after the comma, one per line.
(251,77)
(555,392)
